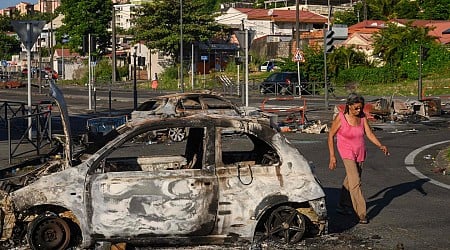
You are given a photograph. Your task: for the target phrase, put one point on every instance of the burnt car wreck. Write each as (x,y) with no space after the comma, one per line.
(232,179)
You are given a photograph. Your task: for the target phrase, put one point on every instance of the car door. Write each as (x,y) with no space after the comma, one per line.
(248,169)
(149,185)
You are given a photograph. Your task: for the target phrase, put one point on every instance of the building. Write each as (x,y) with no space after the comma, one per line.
(47,6)
(24,8)
(275,29)
(124,14)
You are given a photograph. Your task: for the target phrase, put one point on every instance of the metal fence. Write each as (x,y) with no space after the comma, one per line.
(27,133)
(40,130)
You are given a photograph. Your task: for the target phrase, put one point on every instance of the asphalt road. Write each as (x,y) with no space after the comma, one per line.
(404,209)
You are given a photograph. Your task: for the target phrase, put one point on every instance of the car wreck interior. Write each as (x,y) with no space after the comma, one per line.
(148,152)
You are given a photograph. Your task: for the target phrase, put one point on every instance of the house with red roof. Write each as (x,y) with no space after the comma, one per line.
(274,28)
(361,34)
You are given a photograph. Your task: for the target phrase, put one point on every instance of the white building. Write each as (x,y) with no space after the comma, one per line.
(124,15)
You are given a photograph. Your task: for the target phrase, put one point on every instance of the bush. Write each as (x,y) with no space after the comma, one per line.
(169,78)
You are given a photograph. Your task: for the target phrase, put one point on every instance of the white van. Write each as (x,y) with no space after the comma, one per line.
(267,66)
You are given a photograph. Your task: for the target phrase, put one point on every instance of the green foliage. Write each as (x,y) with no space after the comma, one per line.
(83,17)
(406,9)
(395,42)
(122,71)
(348,17)
(103,72)
(366,76)
(168,78)
(5,23)
(158,24)
(434,9)
(388,9)
(8,46)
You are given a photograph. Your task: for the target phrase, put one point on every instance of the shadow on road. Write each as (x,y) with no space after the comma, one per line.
(337,223)
(374,207)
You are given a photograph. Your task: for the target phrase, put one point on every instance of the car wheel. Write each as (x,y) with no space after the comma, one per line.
(177,134)
(49,232)
(286,225)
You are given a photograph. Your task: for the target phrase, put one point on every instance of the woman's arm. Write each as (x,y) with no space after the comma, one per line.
(333,130)
(373,138)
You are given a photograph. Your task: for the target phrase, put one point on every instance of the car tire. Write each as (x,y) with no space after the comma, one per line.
(286,225)
(49,231)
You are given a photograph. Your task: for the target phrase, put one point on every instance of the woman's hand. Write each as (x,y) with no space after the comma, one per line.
(385,150)
(332,164)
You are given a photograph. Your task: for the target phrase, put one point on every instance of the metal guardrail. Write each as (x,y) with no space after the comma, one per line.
(41,122)
(279,88)
(11,109)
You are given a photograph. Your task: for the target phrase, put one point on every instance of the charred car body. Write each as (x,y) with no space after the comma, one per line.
(233,178)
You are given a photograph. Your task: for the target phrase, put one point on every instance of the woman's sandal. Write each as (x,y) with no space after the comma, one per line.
(363,221)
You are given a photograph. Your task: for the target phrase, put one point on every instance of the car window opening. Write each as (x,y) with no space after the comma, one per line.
(148,152)
(247,149)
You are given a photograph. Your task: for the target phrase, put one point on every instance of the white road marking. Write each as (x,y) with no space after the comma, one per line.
(409,160)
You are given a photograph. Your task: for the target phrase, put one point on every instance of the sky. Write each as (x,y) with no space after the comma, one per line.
(9,3)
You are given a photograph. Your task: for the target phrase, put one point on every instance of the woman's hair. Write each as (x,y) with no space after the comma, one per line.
(352,99)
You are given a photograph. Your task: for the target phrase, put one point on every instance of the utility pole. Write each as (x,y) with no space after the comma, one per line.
(90,72)
(134,80)
(181,46)
(419,83)
(297,39)
(325,56)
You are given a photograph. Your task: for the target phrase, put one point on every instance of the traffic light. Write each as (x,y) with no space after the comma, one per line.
(93,43)
(238,60)
(425,52)
(141,61)
(328,41)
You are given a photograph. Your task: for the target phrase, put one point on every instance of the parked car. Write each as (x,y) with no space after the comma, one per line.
(282,83)
(233,178)
(46,73)
(267,66)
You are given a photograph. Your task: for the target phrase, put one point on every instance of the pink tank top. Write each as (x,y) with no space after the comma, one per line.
(350,140)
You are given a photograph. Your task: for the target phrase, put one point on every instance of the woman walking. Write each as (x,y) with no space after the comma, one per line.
(350,127)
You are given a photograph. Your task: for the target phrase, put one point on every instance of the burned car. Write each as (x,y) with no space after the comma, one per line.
(190,103)
(232,179)
(184,104)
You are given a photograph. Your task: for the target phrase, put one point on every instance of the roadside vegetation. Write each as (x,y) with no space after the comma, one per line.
(394,71)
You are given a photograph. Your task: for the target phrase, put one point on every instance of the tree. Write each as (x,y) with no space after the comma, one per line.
(394,42)
(406,9)
(435,9)
(9,45)
(158,24)
(84,17)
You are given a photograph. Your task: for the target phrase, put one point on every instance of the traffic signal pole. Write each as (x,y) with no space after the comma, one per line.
(327,47)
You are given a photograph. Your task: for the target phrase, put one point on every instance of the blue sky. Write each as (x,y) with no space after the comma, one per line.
(9,3)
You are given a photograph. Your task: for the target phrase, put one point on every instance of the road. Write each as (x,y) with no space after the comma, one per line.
(405,210)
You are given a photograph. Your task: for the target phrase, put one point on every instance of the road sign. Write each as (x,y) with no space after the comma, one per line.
(298,57)
(28,31)
(204,58)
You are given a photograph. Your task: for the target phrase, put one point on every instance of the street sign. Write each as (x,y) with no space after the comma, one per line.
(28,31)
(240,35)
(204,58)
(298,57)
